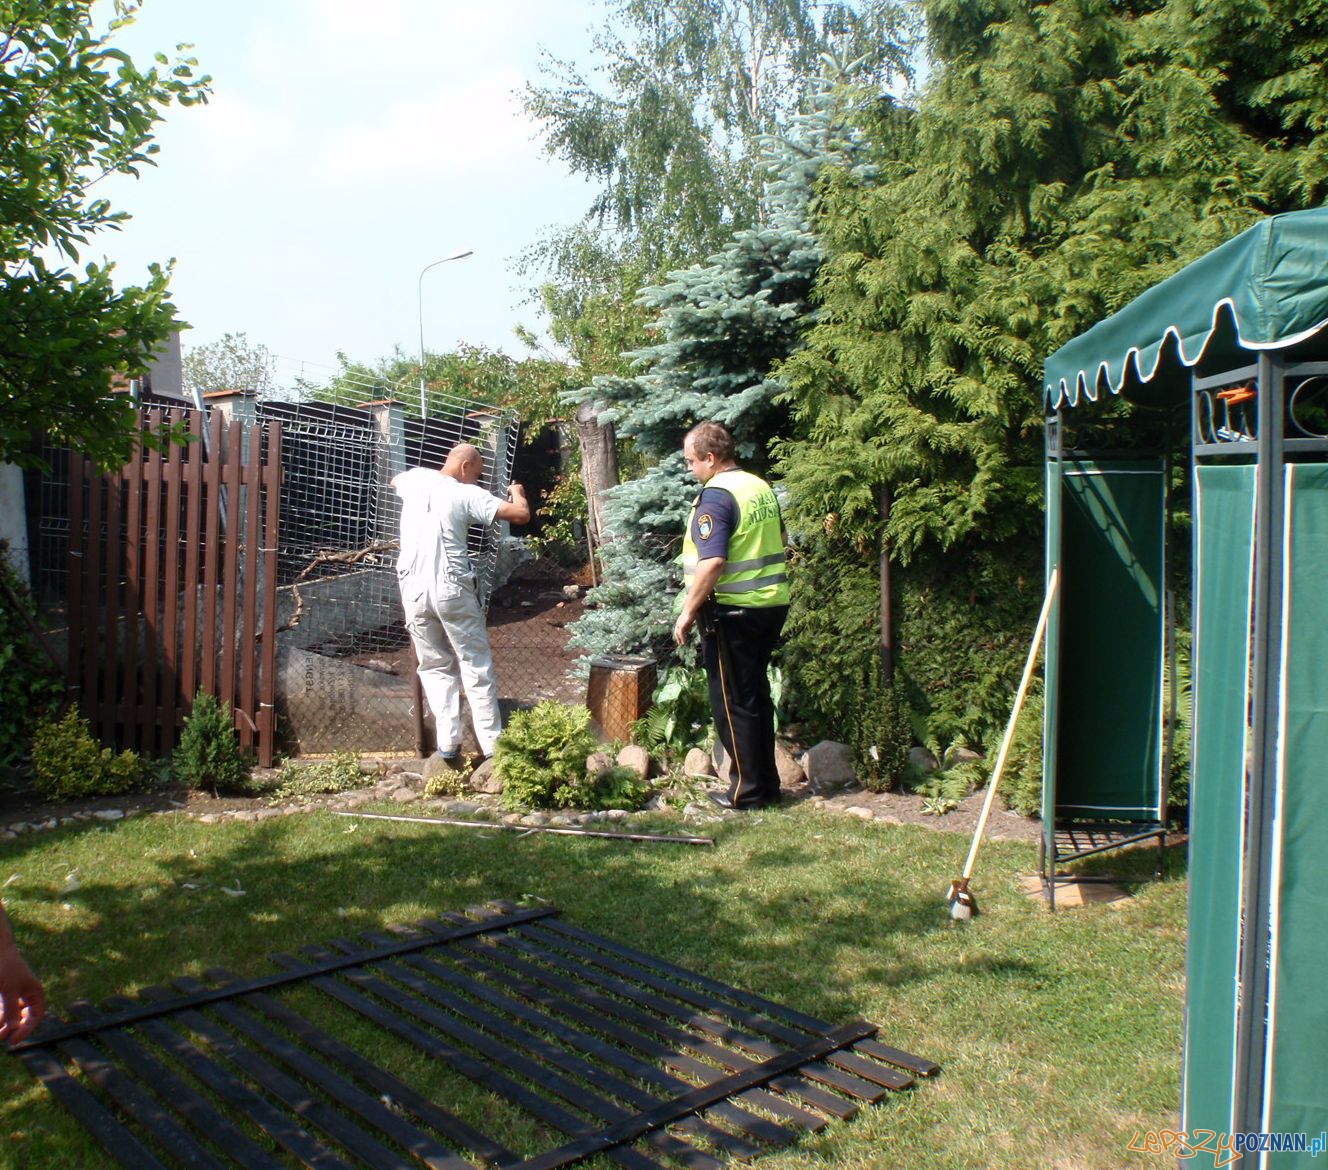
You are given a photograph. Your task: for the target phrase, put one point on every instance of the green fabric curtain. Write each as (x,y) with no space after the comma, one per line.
(1224,548)
(1299,1080)
(1106,693)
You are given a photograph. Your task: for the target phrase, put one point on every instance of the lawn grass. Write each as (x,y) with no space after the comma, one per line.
(1059,1035)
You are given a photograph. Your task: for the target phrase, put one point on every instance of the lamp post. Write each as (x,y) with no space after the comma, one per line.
(424,406)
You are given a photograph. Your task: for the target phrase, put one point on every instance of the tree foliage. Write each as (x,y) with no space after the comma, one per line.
(73,109)
(1066,155)
(722,326)
(668,120)
(233,363)
(531,386)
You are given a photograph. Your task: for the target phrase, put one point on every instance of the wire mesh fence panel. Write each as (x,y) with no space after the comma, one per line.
(344,666)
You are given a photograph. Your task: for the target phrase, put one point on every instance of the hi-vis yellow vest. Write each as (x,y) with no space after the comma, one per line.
(755,574)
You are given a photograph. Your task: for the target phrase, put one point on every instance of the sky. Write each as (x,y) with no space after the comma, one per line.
(344,148)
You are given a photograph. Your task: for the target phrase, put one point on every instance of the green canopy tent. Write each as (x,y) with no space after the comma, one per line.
(1242,335)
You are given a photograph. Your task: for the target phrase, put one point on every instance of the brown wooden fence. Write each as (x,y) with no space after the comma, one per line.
(173,584)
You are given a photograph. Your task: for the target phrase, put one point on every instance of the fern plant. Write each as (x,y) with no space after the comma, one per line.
(679,716)
(612,788)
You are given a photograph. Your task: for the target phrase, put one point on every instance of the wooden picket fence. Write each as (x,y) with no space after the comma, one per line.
(172,584)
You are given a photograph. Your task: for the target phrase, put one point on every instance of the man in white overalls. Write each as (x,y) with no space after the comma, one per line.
(438,591)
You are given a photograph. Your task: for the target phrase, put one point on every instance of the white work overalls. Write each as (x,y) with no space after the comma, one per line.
(443,614)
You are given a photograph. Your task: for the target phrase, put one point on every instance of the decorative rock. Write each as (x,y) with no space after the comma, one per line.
(856,810)
(405,795)
(637,758)
(698,765)
(512,819)
(461,808)
(571,592)
(922,758)
(109,814)
(790,771)
(598,762)
(485,779)
(829,766)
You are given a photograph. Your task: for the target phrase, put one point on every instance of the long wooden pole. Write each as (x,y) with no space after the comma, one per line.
(1014,719)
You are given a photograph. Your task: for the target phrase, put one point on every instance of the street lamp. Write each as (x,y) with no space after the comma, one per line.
(424,406)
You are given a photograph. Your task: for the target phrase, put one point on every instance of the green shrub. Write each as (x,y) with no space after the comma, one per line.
(540,751)
(208,755)
(1178,778)
(339,774)
(69,764)
(612,788)
(965,618)
(832,637)
(447,782)
(30,688)
(880,734)
(943,789)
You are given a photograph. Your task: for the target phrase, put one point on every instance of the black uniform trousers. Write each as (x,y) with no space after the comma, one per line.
(736,645)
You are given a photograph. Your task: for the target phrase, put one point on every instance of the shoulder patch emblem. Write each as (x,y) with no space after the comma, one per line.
(705,525)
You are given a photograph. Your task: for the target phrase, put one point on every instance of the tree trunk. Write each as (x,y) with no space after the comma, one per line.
(599,464)
(887,625)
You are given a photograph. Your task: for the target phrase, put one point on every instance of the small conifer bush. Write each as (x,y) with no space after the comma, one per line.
(68,764)
(541,751)
(208,755)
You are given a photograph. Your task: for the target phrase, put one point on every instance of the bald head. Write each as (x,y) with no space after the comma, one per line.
(464,463)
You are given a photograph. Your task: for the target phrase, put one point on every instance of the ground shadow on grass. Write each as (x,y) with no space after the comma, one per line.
(831,916)
(762,912)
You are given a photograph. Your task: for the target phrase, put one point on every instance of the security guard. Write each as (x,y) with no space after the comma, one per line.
(737,594)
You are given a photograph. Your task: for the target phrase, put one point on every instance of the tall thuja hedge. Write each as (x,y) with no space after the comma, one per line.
(722,326)
(1065,156)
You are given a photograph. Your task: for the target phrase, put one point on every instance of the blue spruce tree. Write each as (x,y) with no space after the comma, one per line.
(724,325)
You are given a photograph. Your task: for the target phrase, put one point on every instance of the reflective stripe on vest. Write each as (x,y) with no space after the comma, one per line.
(754,572)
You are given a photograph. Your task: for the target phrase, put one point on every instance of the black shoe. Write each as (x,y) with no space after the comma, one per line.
(722,799)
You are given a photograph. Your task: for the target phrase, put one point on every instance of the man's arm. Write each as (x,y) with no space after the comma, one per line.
(707,573)
(22,1001)
(515,509)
